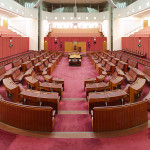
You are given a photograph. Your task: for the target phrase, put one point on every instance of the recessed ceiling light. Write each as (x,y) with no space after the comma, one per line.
(46,17)
(22,13)
(139,7)
(2,4)
(147,3)
(17,10)
(55,18)
(10,7)
(133,10)
(63,18)
(119,15)
(94,18)
(128,12)
(87,18)
(31,15)
(79,18)
(71,18)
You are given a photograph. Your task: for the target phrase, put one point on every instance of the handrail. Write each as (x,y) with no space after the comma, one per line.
(129,33)
(17,31)
(139,60)
(10,60)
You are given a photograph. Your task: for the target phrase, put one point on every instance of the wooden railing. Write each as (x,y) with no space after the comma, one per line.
(114,118)
(25,117)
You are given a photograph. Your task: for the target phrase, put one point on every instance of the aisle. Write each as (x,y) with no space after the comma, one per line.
(74,76)
(73,113)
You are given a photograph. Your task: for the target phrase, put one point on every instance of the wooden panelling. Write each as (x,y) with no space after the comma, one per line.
(20,44)
(53,46)
(132,43)
(119,117)
(26,117)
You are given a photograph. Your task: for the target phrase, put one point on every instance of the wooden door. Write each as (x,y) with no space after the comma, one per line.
(46,45)
(5,23)
(104,45)
(145,23)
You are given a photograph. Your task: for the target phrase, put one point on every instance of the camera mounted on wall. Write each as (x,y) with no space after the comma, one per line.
(55,40)
(10,44)
(94,40)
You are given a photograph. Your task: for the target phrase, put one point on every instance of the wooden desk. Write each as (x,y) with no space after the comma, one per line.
(9,73)
(100,78)
(135,88)
(33,82)
(96,87)
(89,80)
(59,81)
(12,88)
(114,82)
(36,67)
(99,68)
(47,78)
(27,65)
(50,68)
(37,98)
(108,98)
(51,87)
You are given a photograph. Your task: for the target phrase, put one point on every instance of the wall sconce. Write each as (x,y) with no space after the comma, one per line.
(10,45)
(55,40)
(95,40)
(89,44)
(61,43)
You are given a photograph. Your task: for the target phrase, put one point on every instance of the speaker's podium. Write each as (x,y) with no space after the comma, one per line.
(75,46)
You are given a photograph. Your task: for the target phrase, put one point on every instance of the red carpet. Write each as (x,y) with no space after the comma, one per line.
(73,123)
(74,76)
(73,105)
(74,81)
(138,141)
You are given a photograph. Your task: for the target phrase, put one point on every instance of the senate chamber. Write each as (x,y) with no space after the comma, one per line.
(74,74)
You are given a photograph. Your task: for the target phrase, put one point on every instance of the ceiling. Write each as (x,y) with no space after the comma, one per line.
(77,1)
(145,13)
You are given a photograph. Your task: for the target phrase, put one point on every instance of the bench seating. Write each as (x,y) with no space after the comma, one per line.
(135,52)
(135,89)
(131,76)
(146,73)
(108,98)
(106,119)
(40,98)
(26,117)
(2,73)
(13,90)
(25,59)
(132,64)
(17,75)
(17,63)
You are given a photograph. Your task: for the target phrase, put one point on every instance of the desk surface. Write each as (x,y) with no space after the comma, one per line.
(107,95)
(9,84)
(30,79)
(138,84)
(39,94)
(75,56)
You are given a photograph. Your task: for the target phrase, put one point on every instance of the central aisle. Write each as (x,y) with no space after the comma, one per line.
(74,76)
(73,111)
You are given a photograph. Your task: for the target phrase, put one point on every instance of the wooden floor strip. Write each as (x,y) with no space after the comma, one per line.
(75,134)
(74,99)
(73,112)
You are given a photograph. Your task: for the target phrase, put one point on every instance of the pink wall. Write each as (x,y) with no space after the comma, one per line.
(20,44)
(132,43)
(97,46)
